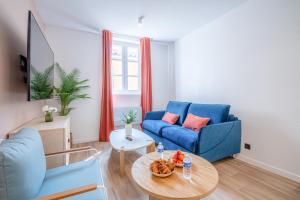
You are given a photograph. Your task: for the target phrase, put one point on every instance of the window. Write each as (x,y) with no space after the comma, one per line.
(125,68)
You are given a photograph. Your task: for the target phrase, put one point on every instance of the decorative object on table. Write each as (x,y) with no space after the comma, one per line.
(162,168)
(41,84)
(128,119)
(178,158)
(70,89)
(48,112)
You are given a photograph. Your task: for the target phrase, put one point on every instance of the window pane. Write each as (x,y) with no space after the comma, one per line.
(133,69)
(117,83)
(116,52)
(133,83)
(116,66)
(132,53)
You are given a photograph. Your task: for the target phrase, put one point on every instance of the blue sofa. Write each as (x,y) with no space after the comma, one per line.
(23,173)
(219,139)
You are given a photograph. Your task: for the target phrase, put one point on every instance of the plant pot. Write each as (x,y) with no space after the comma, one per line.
(64,110)
(48,117)
(128,131)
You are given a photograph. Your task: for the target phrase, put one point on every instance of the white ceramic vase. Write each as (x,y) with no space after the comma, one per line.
(128,131)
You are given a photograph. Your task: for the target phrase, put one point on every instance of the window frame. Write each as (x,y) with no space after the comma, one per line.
(125,75)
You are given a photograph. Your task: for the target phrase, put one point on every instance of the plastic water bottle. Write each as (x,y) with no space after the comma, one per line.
(187,165)
(160,150)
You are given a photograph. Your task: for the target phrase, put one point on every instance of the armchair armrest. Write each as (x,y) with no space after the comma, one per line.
(75,150)
(69,193)
(155,115)
(73,192)
(88,148)
(212,135)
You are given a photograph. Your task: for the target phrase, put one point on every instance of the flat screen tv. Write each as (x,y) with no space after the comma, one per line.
(40,63)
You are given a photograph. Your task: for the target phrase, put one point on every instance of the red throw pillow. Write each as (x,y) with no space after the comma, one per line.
(195,122)
(170,118)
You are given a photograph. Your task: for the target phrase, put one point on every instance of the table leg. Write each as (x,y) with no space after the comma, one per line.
(122,162)
(151,148)
(152,198)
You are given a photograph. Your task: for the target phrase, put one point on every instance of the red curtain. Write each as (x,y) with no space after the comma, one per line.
(146,82)
(106,117)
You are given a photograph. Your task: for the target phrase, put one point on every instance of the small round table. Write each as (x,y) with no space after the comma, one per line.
(203,182)
(121,144)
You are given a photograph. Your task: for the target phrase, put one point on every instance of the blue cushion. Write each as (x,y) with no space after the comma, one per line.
(72,176)
(179,108)
(155,126)
(22,165)
(181,136)
(168,145)
(217,113)
(155,137)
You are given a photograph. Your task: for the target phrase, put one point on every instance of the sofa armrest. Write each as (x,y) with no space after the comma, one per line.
(212,135)
(155,115)
(232,117)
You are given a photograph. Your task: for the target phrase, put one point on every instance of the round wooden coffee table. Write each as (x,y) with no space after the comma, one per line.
(203,182)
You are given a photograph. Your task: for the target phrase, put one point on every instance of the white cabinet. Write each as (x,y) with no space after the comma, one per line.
(55,136)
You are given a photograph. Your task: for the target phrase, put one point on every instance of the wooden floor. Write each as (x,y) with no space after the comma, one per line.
(238,180)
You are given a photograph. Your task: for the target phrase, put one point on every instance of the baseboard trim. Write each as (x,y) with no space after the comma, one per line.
(275,170)
(78,141)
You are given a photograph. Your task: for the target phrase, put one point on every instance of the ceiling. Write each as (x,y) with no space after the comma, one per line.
(165,20)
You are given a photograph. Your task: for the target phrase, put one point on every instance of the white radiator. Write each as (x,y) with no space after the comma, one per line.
(119,112)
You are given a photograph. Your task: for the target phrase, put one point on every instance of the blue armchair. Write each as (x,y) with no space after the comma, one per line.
(23,173)
(219,139)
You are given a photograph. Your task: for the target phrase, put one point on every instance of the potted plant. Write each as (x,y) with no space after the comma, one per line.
(128,119)
(48,111)
(70,89)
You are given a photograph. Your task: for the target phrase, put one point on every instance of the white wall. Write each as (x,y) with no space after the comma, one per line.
(162,74)
(82,50)
(15,110)
(250,58)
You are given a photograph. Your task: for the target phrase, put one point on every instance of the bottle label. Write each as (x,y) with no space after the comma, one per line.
(187,164)
(160,150)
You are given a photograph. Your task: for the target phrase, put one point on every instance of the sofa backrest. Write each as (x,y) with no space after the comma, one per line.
(179,108)
(217,113)
(22,165)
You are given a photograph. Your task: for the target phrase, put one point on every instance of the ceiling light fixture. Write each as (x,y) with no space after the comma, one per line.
(140,21)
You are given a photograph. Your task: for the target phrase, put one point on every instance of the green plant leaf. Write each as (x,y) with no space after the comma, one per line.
(70,89)
(129,117)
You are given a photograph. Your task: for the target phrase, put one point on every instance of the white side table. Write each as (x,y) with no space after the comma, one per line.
(121,144)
